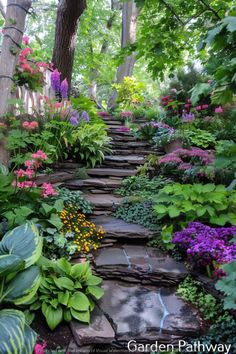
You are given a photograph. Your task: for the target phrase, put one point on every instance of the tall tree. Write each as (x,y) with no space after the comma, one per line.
(130,14)
(12,38)
(68,14)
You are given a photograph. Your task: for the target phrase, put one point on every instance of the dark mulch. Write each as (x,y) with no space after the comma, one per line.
(57,339)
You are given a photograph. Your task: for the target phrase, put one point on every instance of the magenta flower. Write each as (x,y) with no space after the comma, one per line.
(205,106)
(25,40)
(219,110)
(64,89)
(198,108)
(55,81)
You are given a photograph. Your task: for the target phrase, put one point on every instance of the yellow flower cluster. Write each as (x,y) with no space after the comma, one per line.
(86,235)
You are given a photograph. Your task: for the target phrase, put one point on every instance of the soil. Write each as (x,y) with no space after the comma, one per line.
(57,339)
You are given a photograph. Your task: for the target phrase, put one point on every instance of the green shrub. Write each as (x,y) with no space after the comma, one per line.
(139,213)
(192,291)
(92,144)
(206,203)
(20,249)
(200,138)
(228,285)
(76,199)
(67,292)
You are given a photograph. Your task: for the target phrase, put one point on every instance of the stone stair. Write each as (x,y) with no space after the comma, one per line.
(140,301)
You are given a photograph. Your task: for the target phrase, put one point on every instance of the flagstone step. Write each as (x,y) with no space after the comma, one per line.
(119,229)
(129,144)
(101,184)
(140,264)
(130,159)
(106,172)
(145,314)
(103,201)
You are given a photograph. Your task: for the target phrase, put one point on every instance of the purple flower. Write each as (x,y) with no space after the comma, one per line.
(188,117)
(85,116)
(55,81)
(74,121)
(64,89)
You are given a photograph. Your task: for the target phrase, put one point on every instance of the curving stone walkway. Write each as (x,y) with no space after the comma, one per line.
(140,302)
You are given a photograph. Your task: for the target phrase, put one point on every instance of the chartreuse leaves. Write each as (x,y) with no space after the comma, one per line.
(67,291)
(208,203)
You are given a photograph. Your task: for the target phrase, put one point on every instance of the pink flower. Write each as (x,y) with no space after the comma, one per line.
(173,90)
(26,51)
(29,163)
(188,105)
(205,106)
(47,190)
(189,100)
(165,98)
(39,348)
(219,110)
(103,114)
(126,114)
(25,184)
(40,155)
(30,125)
(57,105)
(25,40)
(198,108)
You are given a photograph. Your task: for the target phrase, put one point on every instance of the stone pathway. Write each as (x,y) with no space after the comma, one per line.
(140,302)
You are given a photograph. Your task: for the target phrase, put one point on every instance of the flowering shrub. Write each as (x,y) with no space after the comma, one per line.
(26,175)
(30,72)
(186,162)
(60,88)
(206,246)
(150,130)
(86,236)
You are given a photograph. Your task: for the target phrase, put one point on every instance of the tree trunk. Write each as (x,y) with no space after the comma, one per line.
(2,9)
(68,14)
(130,14)
(12,38)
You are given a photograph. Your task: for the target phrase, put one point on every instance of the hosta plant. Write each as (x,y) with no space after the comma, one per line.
(20,249)
(208,203)
(67,292)
(227,285)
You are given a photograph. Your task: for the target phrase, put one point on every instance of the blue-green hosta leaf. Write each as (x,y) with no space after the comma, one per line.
(16,337)
(10,263)
(23,241)
(24,286)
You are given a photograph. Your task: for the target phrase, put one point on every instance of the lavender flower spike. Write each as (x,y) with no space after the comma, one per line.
(85,116)
(55,81)
(64,89)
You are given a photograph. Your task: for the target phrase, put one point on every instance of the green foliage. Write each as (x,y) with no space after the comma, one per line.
(200,138)
(76,199)
(192,291)
(199,91)
(92,144)
(227,285)
(221,332)
(142,185)
(220,41)
(20,249)
(67,292)
(206,203)
(15,334)
(58,244)
(82,104)
(129,92)
(139,213)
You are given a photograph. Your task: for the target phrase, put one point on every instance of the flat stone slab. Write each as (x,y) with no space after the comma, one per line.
(94,182)
(103,201)
(99,331)
(111,172)
(54,178)
(145,265)
(119,229)
(132,159)
(147,314)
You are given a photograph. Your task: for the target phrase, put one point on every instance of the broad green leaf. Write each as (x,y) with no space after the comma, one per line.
(79,301)
(63,297)
(81,316)
(23,241)
(23,287)
(96,291)
(79,270)
(64,283)
(53,316)
(93,280)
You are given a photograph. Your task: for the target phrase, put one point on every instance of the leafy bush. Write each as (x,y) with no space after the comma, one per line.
(76,199)
(207,203)
(66,292)
(58,244)
(227,285)
(221,332)
(192,291)
(200,138)
(92,144)
(142,184)
(20,249)
(130,92)
(139,213)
